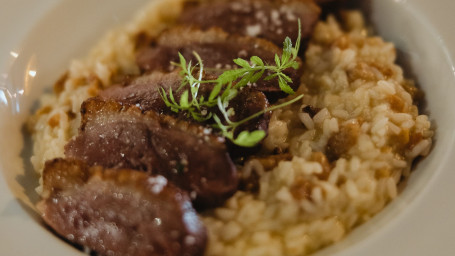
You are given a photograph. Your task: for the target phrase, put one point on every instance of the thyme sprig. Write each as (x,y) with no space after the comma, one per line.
(226,88)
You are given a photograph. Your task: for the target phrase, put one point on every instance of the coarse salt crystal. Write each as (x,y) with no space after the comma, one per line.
(253,30)
(157,183)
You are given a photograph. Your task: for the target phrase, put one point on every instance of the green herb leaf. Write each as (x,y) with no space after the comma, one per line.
(171,97)
(257,61)
(286,78)
(257,76)
(228,95)
(270,77)
(245,80)
(242,63)
(215,91)
(277,61)
(295,65)
(184,100)
(182,61)
(284,86)
(287,50)
(230,76)
(249,139)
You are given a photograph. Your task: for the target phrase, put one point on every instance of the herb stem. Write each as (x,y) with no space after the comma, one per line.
(272,108)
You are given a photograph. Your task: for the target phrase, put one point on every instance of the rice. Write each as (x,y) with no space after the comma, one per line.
(353,81)
(350,76)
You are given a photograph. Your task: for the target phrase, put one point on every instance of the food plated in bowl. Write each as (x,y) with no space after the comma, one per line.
(304,119)
(329,162)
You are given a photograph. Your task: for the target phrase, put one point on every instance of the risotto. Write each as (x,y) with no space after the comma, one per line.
(346,146)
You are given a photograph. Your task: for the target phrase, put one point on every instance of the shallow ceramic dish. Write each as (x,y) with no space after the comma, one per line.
(39,38)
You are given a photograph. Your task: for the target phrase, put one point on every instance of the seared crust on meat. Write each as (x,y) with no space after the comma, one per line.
(217,49)
(116,135)
(271,20)
(120,212)
(144,91)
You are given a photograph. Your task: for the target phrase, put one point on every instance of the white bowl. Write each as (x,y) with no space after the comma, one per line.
(39,38)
